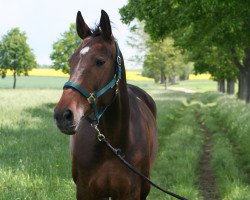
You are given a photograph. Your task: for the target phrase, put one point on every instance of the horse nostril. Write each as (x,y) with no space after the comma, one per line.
(68,115)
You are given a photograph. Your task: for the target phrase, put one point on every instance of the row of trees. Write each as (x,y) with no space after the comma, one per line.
(215,33)
(164,62)
(15,54)
(161,60)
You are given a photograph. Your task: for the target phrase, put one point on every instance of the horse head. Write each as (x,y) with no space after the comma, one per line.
(93,69)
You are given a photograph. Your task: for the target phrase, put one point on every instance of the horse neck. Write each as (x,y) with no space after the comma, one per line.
(115,123)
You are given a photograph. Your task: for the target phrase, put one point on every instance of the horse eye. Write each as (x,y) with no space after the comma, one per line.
(100,62)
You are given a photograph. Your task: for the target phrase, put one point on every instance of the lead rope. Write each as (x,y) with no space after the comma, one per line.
(117,152)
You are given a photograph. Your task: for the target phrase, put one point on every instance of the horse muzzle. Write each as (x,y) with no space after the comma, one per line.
(70,111)
(65,121)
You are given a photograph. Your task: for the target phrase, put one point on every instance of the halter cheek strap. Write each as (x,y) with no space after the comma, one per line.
(92,97)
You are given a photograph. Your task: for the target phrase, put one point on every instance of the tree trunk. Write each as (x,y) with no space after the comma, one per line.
(165,84)
(242,92)
(221,86)
(163,77)
(14,84)
(247,67)
(244,74)
(248,86)
(230,87)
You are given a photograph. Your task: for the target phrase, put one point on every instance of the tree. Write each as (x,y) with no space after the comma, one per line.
(160,60)
(15,54)
(64,48)
(222,70)
(195,24)
(163,61)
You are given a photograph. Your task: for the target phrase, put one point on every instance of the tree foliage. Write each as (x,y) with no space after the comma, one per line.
(208,62)
(198,26)
(63,48)
(163,60)
(224,23)
(15,54)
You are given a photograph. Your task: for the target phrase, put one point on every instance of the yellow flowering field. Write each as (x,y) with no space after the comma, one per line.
(43,72)
(131,75)
(136,76)
(199,77)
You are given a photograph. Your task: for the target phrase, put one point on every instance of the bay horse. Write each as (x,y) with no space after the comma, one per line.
(97,93)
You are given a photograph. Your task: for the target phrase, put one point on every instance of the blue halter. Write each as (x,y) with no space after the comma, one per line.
(92,97)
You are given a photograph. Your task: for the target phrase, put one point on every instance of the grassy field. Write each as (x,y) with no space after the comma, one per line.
(35,159)
(198,85)
(33,82)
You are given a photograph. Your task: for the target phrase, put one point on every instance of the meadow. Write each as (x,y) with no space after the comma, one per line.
(35,159)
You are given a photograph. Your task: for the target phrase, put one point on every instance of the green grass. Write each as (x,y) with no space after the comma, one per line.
(35,162)
(35,159)
(33,82)
(198,85)
(57,82)
(179,147)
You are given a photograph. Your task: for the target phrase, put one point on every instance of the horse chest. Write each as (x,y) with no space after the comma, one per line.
(106,178)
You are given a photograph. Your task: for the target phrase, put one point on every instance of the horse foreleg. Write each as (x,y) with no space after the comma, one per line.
(145,190)
(82,193)
(134,194)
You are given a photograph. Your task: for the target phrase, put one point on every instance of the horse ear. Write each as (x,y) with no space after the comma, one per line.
(82,28)
(105,25)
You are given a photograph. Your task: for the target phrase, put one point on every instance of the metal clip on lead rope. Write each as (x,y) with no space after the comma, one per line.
(100,136)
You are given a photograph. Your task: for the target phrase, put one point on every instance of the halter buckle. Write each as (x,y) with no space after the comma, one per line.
(119,60)
(91,98)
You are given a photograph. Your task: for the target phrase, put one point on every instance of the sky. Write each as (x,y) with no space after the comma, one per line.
(44,21)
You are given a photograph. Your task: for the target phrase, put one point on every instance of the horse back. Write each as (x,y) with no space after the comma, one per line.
(145,97)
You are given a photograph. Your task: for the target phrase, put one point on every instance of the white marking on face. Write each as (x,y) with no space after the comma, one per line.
(84,50)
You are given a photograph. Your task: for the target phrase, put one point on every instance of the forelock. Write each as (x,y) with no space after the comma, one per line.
(96,31)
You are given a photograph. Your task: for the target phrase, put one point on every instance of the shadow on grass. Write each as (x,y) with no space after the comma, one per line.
(34,145)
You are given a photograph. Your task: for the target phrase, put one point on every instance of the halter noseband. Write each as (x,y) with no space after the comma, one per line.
(92,97)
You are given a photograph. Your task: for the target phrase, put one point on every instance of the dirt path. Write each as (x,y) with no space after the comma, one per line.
(207,183)
(180,89)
